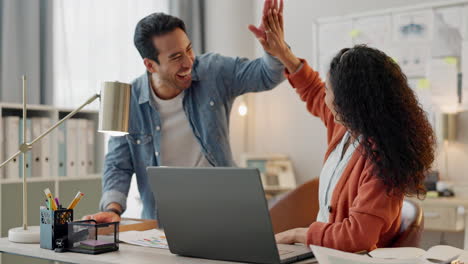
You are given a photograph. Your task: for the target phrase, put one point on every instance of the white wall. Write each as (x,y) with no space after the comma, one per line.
(226,27)
(227,34)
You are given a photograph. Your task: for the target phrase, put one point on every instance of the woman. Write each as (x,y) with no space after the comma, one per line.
(380,144)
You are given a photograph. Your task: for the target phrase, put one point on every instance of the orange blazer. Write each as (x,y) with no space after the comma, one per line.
(363,216)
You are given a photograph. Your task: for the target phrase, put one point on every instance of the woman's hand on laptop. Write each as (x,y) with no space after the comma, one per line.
(296,235)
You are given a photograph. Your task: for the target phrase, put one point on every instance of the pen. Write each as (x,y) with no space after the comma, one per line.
(363,252)
(57,201)
(49,195)
(76,200)
(50,204)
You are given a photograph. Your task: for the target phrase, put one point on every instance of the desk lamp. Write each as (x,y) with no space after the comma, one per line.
(113,119)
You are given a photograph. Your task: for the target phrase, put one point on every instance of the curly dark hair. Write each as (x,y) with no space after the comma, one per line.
(374,101)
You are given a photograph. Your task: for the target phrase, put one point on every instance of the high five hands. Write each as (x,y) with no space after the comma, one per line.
(270,33)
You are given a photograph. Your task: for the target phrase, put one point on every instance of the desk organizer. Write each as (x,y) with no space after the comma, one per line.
(60,233)
(54,227)
(89,237)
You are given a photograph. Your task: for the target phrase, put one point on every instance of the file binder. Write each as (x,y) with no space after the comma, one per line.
(82,147)
(71,147)
(11,144)
(46,149)
(62,150)
(91,129)
(36,151)
(27,154)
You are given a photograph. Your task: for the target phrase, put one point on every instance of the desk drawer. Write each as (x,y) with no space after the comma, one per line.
(443,218)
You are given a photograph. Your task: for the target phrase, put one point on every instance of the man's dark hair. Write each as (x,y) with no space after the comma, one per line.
(153,25)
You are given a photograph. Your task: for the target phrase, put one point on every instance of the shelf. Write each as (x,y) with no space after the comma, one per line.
(19,180)
(56,178)
(88,177)
(55,147)
(32,107)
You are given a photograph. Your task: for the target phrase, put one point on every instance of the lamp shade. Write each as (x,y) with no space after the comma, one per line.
(114,111)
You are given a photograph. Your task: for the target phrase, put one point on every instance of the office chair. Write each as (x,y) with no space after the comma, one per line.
(412,225)
(299,208)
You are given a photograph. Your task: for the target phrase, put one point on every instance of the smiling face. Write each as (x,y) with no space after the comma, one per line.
(176,57)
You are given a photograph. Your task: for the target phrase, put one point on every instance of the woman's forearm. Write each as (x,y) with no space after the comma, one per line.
(290,61)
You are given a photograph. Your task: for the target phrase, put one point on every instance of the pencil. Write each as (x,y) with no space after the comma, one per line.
(76,200)
(49,196)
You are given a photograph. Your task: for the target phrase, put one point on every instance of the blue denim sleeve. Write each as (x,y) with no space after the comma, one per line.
(244,76)
(118,171)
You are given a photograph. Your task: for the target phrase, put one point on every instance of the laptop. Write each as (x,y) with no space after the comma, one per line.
(218,213)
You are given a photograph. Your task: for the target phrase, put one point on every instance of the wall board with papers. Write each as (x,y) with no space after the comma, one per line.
(429,42)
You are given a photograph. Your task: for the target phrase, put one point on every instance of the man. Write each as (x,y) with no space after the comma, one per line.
(179,114)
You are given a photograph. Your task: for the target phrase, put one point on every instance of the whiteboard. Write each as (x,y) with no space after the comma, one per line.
(429,42)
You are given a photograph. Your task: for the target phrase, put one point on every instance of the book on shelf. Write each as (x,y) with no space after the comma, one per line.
(27,155)
(36,150)
(46,148)
(62,150)
(11,142)
(74,145)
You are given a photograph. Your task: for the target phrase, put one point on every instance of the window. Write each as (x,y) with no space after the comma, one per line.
(93,43)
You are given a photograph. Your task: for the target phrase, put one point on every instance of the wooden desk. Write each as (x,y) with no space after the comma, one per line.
(126,254)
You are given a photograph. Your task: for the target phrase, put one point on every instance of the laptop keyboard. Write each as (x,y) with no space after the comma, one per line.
(283,252)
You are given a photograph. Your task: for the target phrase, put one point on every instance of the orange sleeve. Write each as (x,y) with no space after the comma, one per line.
(371,214)
(311,90)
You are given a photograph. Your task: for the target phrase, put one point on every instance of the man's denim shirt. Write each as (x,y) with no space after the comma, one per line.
(216,82)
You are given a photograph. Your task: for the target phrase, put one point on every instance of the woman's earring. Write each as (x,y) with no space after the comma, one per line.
(337,120)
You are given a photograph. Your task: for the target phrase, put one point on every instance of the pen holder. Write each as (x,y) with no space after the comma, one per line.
(54,227)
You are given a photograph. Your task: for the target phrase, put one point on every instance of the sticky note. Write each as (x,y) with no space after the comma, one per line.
(423,84)
(451,60)
(354,33)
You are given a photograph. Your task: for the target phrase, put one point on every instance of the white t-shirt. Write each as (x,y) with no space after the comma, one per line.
(179,147)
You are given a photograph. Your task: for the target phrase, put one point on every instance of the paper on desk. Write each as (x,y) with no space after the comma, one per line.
(332,256)
(149,238)
(129,222)
(398,253)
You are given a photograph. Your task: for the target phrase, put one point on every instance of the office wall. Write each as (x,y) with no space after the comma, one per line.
(227,34)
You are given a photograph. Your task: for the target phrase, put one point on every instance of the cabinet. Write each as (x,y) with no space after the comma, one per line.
(445,215)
